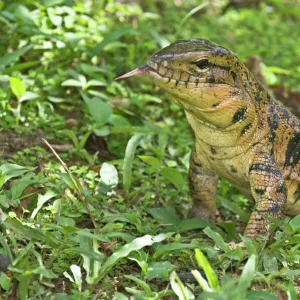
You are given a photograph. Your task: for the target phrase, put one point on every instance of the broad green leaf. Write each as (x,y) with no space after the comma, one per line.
(118,120)
(141,258)
(209,272)
(251,249)
(130,217)
(135,245)
(17,87)
(64,221)
(21,66)
(270,264)
(111,38)
(246,277)
(10,57)
(182,292)
(191,224)
(56,99)
(202,281)
(5,281)
(125,236)
(97,237)
(18,188)
(159,270)
(292,292)
(66,178)
(295,223)
(99,110)
(234,208)
(141,283)
(28,96)
(120,296)
(174,176)
(128,160)
(217,239)
(87,252)
(42,199)
(167,216)
(109,174)
(166,249)
(103,131)
(31,233)
(76,271)
(94,82)
(9,171)
(24,251)
(260,295)
(72,82)
(151,160)
(92,267)
(6,247)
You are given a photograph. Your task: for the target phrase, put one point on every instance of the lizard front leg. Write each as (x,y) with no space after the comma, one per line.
(203,188)
(269,191)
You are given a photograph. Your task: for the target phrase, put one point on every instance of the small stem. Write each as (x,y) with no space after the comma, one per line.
(77,187)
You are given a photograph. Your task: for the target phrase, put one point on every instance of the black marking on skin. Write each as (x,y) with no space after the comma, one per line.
(199,165)
(273,121)
(187,81)
(176,83)
(197,82)
(265,168)
(274,208)
(239,115)
(292,155)
(246,128)
(215,105)
(257,97)
(233,170)
(234,77)
(235,93)
(259,191)
(195,171)
(213,150)
(281,188)
(169,80)
(286,114)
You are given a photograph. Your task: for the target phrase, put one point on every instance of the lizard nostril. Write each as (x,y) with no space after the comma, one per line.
(210,79)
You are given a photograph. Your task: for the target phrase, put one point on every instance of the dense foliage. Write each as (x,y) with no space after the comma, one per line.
(110,219)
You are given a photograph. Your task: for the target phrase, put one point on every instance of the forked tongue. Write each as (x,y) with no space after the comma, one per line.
(137,71)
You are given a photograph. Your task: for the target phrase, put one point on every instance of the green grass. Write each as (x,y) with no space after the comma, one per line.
(118,225)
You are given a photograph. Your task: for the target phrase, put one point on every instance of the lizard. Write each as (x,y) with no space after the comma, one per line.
(241,133)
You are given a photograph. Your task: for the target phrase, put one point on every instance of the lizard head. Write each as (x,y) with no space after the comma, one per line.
(198,73)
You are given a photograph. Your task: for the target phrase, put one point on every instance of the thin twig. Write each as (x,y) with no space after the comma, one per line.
(77,188)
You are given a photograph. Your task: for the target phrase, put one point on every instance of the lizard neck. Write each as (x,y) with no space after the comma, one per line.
(228,129)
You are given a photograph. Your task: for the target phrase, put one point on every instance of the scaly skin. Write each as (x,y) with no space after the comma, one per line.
(241,133)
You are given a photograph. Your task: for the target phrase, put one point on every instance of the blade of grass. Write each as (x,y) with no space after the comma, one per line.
(128,160)
(209,272)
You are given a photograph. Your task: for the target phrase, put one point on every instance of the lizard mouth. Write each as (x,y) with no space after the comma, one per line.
(138,71)
(166,76)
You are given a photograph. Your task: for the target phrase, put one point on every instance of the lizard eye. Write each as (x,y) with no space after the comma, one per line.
(202,63)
